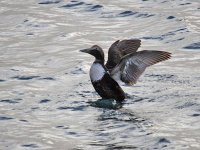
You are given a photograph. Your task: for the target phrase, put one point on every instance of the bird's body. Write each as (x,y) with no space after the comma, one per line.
(107,88)
(104,84)
(124,65)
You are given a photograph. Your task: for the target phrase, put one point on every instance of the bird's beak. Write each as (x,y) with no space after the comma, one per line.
(87,50)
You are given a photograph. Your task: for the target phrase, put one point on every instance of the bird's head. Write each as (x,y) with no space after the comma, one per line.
(95,51)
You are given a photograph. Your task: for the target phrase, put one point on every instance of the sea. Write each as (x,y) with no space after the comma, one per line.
(47,101)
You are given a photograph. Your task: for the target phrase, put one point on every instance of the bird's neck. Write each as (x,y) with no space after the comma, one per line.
(101,61)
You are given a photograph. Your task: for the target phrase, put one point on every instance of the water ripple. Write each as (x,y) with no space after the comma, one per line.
(4,118)
(73,4)
(193,46)
(30,145)
(47,100)
(50,1)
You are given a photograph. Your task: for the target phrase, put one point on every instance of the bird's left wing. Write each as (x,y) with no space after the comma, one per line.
(133,65)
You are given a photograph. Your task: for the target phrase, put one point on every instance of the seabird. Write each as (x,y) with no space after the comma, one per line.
(124,64)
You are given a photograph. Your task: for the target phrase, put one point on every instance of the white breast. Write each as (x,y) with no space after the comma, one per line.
(97,72)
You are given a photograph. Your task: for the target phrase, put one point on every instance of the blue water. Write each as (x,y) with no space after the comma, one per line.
(47,100)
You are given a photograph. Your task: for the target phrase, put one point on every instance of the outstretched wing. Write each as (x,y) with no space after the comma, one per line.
(134,64)
(119,49)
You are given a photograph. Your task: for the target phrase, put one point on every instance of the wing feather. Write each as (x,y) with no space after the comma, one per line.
(133,65)
(119,49)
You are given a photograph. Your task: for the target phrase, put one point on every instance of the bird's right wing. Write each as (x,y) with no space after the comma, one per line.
(133,65)
(119,49)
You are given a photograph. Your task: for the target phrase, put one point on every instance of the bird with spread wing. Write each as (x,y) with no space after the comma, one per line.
(125,64)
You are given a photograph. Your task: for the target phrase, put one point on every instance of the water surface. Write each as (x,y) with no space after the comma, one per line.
(44,81)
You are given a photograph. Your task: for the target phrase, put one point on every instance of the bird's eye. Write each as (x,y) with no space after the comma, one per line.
(95,49)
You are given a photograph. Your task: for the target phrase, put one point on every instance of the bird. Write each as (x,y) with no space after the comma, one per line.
(125,64)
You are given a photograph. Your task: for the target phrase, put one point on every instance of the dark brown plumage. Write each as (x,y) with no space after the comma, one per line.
(124,64)
(107,88)
(119,49)
(133,65)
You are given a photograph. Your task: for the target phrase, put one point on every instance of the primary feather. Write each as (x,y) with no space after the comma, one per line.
(133,65)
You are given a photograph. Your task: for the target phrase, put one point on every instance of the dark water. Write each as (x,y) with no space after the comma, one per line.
(47,100)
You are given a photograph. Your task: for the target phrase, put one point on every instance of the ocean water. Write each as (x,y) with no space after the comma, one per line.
(47,100)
